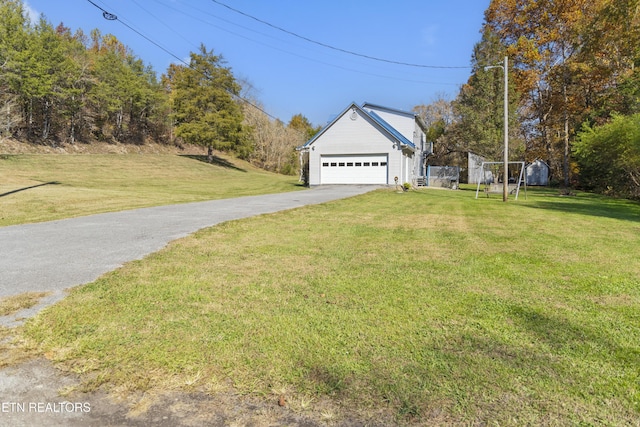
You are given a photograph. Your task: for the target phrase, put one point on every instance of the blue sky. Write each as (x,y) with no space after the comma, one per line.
(291,75)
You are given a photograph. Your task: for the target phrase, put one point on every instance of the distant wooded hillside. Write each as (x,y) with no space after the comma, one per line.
(59,87)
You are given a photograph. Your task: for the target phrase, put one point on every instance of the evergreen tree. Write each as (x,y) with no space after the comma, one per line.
(479,107)
(13,39)
(46,80)
(204,108)
(111,90)
(125,93)
(76,82)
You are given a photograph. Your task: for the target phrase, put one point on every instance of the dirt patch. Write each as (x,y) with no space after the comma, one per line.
(36,393)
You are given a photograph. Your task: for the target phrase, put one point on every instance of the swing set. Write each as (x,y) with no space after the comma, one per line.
(492,171)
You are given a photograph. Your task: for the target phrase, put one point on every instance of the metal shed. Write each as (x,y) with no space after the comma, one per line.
(474,168)
(537,173)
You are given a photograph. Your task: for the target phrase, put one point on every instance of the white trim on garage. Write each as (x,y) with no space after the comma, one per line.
(354,169)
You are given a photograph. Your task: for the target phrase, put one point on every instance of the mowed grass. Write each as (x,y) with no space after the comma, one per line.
(45,187)
(428,307)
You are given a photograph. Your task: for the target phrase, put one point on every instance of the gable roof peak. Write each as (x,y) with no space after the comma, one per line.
(337,117)
(375,118)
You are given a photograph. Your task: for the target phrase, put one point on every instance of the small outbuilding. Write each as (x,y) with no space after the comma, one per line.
(367,144)
(475,173)
(537,173)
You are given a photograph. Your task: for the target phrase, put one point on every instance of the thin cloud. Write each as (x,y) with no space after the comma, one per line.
(430,35)
(32,14)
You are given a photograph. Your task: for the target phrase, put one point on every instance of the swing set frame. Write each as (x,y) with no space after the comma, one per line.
(522,178)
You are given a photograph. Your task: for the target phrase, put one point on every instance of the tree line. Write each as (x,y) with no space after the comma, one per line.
(574,94)
(59,86)
(573,76)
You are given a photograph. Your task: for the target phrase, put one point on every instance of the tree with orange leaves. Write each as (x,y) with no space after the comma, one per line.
(545,40)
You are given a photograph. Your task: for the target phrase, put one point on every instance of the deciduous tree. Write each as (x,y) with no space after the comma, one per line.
(274,142)
(302,124)
(609,157)
(476,120)
(610,56)
(543,40)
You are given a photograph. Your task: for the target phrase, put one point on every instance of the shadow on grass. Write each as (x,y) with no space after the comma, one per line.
(218,161)
(28,188)
(593,206)
(566,336)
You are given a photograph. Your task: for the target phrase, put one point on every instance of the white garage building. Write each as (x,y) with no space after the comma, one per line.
(367,144)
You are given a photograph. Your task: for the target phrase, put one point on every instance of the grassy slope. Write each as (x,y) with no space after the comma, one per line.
(431,305)
(46,187)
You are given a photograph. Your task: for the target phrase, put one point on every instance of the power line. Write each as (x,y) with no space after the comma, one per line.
(316,60)
(262,43)
(163,23)
(106,15)
(328,46)
(111,17)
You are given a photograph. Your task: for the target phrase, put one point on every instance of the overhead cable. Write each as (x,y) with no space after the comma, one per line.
(288,52)
(106,15)
(163,23)
(328,46)
(111,17)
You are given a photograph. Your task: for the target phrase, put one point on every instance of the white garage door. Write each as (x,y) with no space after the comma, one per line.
(353,169)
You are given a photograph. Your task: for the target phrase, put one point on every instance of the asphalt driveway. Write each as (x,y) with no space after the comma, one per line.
(56,255)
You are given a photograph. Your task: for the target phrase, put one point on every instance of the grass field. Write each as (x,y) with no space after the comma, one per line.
(45,187)
(427,307)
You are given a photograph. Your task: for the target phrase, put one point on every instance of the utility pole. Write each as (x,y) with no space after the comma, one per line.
(505,179)
(505,175)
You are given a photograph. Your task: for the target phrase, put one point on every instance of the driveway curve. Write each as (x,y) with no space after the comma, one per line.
(56,255)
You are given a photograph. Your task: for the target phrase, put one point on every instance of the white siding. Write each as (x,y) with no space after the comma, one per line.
(406,124)
(356,135)
(403,123)
(353,134)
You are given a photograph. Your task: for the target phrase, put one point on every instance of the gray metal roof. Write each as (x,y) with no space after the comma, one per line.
(393,131)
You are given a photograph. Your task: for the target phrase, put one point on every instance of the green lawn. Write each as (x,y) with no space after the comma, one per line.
(45,187)
(428,307)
